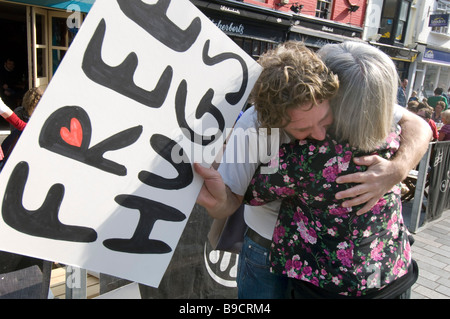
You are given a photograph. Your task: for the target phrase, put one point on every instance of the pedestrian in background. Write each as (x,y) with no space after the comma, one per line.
(401,93)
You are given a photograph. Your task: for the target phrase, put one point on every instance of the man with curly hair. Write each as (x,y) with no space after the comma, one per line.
(292,95)
(326,250)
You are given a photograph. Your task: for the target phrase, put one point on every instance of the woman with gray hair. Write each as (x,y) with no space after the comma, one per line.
(326,250)
(363,108)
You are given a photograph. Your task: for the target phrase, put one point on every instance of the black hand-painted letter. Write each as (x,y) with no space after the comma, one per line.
(205,106)
(120,78)
(166,147)
(150,211)
(153,19)
(74,142)
(43,222)
(232,98)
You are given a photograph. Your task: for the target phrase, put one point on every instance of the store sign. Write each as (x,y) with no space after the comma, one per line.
(235,26)
(348,31)
(228,9)
(102,176)
(436,56)
(230,27)
(438,20)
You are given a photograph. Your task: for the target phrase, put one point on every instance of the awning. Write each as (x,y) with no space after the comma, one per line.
(81,5)
(316,38)
(397,53)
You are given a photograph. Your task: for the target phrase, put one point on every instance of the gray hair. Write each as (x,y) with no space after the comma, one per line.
(364,105)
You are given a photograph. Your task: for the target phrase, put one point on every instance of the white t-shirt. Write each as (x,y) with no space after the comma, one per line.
(241,159)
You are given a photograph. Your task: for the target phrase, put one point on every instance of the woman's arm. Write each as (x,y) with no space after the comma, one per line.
(11,117)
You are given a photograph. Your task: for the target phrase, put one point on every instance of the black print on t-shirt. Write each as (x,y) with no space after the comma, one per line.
(44,221)
(68,132)
(120,78)
(150,211)
(169,149)
(153,19)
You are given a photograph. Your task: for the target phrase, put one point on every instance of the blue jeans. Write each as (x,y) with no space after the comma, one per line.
(254,279)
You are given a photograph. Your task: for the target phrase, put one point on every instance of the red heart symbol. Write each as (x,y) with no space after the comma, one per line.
(73,137)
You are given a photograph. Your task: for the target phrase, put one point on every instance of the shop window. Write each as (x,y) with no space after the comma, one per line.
(39,47)
(394,21)
(431,78)
(61,38)
(444,78)
(323,9)
(253,47)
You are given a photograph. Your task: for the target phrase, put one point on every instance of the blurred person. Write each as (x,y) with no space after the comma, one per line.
(11,118)
(11,85)
(401,94)
(29,102)
(413,97)
(425,112)
(412,106)
(432,100)
(444,132)
(437,113)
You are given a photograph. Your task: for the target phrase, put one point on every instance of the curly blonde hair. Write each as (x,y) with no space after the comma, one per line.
(292,76)
(31,99)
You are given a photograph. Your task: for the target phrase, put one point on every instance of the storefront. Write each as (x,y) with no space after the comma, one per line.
(36,34)
(255,29)
(318,32)
(432,71)
(40,34)
(404,58)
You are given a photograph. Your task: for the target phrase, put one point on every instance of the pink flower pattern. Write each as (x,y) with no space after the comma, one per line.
(319,241)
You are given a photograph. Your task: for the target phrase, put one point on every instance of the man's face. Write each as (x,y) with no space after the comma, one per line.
(309,122)
(405,83)
(10,65)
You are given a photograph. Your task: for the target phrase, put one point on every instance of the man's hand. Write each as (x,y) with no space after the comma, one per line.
(382,175)
(214,195)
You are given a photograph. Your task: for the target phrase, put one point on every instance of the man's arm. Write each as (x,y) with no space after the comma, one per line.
(382,174)
(215,196)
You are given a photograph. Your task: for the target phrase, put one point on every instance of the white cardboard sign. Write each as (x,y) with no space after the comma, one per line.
(102,176)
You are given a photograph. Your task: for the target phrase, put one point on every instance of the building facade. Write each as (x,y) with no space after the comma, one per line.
(432,37)
(415,34)
(37,34)
(259,25)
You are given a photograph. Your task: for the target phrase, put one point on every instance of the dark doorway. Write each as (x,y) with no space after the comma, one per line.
(13,44)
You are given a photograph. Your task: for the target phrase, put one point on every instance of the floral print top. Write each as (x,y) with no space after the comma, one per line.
(315,238)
